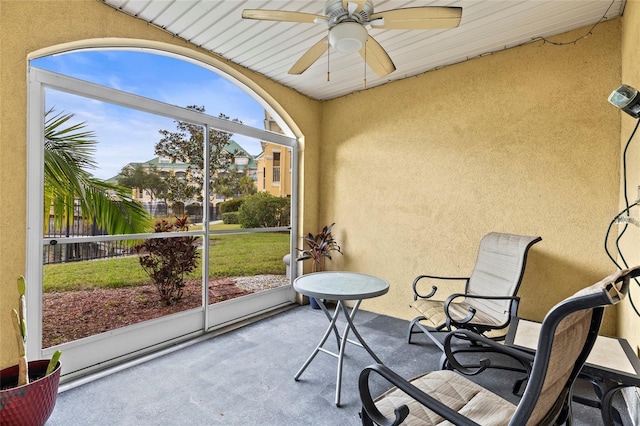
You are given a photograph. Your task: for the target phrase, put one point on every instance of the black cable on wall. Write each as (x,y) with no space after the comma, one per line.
(624,217)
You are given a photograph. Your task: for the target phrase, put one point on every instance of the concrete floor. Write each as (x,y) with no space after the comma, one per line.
(245,377)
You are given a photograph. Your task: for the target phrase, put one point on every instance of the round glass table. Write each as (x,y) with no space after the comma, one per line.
(339,286)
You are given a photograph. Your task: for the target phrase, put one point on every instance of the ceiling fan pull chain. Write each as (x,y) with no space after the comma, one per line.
(328,63)
(365,63)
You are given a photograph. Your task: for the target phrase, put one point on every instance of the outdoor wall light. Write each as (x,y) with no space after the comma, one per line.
(627,99)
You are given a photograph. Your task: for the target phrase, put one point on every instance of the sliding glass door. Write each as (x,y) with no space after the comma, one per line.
(128,251)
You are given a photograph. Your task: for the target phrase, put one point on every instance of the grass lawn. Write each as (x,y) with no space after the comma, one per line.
(229,255)
(216,227)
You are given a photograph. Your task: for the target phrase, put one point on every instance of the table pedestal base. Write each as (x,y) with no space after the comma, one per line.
(341,340)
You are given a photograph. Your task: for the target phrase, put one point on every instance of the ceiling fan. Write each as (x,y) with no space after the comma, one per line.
(347,22)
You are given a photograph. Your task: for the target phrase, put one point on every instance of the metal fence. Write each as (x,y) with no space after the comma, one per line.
(74,252)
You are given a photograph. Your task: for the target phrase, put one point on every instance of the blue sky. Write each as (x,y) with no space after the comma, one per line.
(125,135)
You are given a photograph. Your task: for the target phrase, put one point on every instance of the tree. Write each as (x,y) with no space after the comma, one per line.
(226,184)
(68,155)
(247,186)
(186,144)
(179,191)
(144,178)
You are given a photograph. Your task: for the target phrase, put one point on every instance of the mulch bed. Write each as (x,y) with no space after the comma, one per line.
(72,315)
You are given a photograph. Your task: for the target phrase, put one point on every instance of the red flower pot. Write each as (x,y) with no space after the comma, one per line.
(30,404)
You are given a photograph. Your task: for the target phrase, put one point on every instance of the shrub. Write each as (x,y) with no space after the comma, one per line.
(263,210)
(230,218)
(167,260)
(231,205)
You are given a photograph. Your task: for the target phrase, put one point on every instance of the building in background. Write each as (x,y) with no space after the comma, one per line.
(274,164)
(167,201)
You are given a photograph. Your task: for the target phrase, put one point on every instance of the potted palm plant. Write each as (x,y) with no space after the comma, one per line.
(28,390)
(319,248)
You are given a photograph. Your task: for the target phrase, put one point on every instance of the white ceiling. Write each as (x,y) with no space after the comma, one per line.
(271,48)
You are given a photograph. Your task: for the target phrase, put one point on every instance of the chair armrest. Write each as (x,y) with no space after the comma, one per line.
(525,358)
(472,311)
(402,412)
(434,288)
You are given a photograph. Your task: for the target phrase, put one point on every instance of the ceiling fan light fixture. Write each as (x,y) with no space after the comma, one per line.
(348,37)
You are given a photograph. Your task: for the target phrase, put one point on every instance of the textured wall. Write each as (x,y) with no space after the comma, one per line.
(522,141)
(628,320)
(29,26)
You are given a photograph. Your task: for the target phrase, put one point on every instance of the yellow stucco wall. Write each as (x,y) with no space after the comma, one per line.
(521,141)
(628,320)
(413,172)
(29,26)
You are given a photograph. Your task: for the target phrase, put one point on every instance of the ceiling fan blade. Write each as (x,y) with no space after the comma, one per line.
(310,56)
(281,15)
(352,7)
(377,58)
(359,3)
(418,18)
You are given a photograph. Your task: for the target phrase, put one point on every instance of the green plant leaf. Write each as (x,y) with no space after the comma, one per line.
(68,155)
(22,285)
(53,362)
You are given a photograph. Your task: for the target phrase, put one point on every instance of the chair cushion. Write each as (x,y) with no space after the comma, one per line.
(433,312)
(455,391)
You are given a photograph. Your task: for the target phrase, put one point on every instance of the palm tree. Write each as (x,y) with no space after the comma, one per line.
(68,154)
(247,186)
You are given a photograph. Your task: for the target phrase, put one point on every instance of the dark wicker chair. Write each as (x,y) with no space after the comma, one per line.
(489,300)
(567,335)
